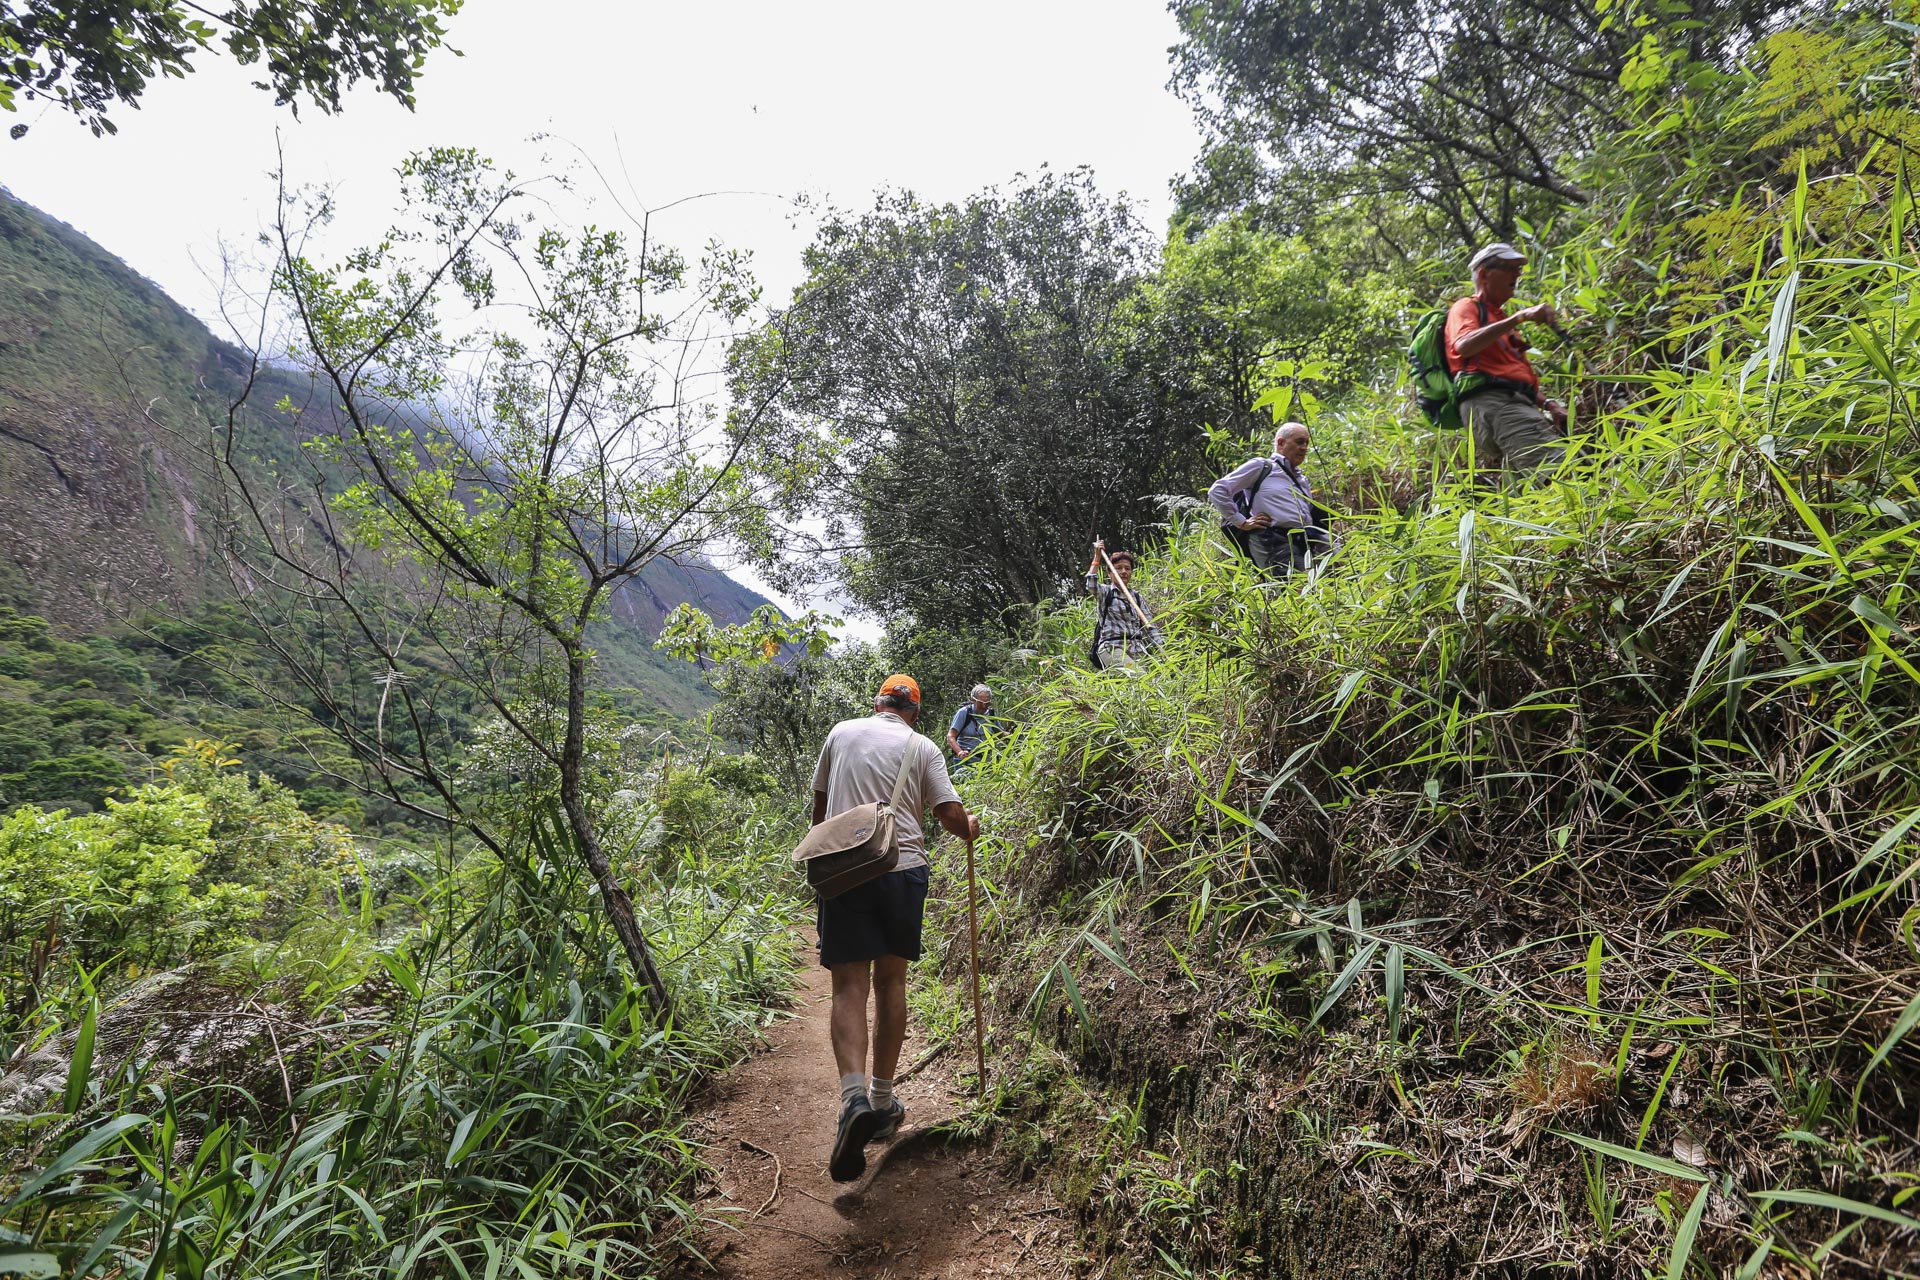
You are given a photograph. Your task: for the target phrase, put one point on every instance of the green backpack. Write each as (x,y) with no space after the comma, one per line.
(1434,389)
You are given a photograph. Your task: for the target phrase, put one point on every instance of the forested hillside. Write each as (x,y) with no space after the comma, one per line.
(291,898)
(111,395)
(1530,886)
(125,640)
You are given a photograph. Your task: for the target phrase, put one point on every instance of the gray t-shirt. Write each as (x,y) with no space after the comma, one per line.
(858,763)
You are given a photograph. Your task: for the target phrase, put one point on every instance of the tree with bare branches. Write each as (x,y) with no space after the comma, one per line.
(474,500)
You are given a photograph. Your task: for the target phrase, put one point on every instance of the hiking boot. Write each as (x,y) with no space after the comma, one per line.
(891,1119)
(858,1120)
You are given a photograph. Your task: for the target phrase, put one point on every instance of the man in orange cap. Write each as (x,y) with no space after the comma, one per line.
(870,933)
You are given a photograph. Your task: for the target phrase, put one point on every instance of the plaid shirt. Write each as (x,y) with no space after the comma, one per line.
(1117,625)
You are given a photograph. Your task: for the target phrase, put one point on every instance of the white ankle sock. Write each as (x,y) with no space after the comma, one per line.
(852,1086)
(880,1094)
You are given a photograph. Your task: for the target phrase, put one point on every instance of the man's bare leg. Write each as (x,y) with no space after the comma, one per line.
(848,1025)
(889,1015)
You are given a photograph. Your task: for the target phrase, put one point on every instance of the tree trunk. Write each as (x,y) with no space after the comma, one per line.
(619,905)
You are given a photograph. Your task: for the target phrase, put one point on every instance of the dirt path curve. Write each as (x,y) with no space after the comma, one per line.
(926,1208)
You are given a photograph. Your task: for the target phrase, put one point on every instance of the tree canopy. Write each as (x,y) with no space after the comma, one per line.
(1475,111)
(86,58)
(1236,302)
(961,397)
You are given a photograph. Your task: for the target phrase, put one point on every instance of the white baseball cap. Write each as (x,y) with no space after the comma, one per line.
(1498,251)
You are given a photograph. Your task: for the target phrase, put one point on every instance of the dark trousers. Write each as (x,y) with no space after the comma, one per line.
(1284,551)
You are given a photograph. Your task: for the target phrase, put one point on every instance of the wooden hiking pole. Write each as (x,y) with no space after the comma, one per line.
(973,963)
(1138,612)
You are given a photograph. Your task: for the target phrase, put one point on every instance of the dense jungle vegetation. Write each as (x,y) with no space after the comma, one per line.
(1532,888)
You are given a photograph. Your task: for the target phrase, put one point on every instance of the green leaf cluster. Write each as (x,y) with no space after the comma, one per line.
(171,871)
(86,58)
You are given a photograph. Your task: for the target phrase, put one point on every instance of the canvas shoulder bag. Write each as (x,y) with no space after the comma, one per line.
(859,845)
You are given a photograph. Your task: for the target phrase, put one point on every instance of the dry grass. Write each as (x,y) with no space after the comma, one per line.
(1556,1079)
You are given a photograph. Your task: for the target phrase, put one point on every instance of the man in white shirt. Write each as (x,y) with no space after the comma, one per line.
(870,933)
(1269,503)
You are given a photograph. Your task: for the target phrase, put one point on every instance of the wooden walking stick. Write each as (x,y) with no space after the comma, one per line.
(973,960)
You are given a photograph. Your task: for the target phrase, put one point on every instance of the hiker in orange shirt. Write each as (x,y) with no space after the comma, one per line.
(1512,428)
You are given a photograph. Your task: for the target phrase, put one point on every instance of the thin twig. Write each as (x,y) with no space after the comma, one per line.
(922,1061)
(775,1193)
(774,1226)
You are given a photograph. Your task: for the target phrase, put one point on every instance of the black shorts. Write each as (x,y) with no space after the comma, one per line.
(879,918)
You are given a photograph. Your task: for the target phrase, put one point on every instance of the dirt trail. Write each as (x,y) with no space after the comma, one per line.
(926,1208)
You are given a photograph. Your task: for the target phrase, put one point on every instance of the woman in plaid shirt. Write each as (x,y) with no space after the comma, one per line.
(1121,637)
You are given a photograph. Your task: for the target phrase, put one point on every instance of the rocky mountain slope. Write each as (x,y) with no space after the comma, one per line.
(109,395)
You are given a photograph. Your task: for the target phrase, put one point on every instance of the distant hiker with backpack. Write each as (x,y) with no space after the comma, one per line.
(971,727)
(1123,629)
(871,932)
(1494,392)
(1266,506)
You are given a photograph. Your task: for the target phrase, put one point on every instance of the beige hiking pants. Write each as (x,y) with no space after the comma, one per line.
(1510,433)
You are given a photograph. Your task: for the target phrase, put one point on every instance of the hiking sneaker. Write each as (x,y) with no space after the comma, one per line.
(891,1119)
(858,1120)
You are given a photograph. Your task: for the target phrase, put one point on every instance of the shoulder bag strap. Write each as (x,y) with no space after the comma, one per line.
(900,779)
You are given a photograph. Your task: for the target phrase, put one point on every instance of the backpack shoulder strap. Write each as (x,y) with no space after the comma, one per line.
(1245,499)
(1100,618)
(1466,362)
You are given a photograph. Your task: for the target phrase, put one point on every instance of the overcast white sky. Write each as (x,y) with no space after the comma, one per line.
(833,98)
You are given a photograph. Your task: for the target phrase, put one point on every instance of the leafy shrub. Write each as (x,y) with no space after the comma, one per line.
(487,1092)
